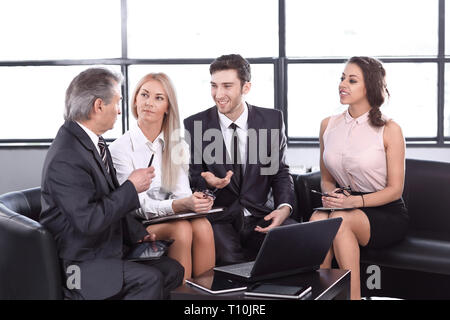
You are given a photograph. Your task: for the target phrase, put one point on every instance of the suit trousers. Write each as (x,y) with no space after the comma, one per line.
(239,242)
(145,280)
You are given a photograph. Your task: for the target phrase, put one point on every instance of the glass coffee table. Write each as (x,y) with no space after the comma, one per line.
(326,284)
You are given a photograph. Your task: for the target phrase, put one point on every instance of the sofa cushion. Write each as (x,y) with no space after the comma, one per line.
(419,251)
(427,196)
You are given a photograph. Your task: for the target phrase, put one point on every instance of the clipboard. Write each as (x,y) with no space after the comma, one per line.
(177,216)
(332,209)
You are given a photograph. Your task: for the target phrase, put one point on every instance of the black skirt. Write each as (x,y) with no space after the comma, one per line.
(388,223)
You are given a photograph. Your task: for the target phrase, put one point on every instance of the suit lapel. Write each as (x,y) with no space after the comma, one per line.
(84,139)
(113,174)
(252,124)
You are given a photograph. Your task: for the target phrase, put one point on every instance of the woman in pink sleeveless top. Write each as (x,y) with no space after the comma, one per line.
(363,150)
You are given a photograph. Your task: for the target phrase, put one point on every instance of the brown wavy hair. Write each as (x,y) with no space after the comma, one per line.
(235,62)
(375,83)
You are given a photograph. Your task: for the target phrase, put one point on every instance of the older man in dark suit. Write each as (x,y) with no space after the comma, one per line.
(239,151)
(86,209)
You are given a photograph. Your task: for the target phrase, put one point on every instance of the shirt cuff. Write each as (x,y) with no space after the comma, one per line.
(288,205)
(150,209)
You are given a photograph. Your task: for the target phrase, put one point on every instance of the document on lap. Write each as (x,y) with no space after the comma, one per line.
(186,215)
(332,209)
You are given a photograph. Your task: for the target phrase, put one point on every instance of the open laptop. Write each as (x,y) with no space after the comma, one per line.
(288,250)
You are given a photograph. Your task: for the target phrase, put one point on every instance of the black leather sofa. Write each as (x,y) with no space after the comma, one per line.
(419,266)
(29,266)
(416,268)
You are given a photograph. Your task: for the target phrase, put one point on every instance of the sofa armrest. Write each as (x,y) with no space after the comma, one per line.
(29,266)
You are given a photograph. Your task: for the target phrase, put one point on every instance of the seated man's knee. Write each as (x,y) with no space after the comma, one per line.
(151,285)
(176,273)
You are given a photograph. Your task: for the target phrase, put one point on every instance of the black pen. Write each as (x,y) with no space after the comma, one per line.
(151,160)
(322,194)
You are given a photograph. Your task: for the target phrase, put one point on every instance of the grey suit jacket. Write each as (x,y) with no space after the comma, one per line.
(87,212)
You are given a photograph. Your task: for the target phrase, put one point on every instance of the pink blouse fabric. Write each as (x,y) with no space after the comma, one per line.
(354,152)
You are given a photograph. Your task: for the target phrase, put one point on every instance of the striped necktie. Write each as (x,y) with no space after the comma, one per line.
(103,154)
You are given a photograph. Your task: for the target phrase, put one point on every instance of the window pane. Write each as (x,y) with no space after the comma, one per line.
(447,102)
(353,27)
(447,30)
(34,98)
(202,28)
(54,29)
(413,102)
(313,95)
(192,84)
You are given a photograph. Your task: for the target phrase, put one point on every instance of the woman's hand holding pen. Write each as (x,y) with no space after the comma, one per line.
(338,198)
(200,202)
(197,202)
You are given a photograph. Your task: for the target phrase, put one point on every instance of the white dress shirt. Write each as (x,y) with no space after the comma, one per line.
(91,135)
(133,151)
(242,133)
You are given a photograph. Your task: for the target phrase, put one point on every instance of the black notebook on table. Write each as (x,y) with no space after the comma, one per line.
(272,290)
(216,283)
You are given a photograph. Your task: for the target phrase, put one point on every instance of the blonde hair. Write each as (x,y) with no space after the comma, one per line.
(170,128)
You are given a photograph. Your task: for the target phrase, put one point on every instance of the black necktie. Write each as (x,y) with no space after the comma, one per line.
(103,154)
(236,155)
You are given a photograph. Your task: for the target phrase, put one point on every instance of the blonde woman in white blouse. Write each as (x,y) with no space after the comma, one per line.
(155,107)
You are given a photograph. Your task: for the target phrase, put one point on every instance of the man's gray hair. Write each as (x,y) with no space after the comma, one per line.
(85,88)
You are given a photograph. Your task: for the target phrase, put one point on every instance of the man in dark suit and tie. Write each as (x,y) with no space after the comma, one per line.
(239,151)
(85,208)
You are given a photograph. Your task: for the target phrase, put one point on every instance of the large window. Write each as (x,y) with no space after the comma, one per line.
(297,50)
(53,29)
(33,101)
(406,35)
(326,28)
(202,28)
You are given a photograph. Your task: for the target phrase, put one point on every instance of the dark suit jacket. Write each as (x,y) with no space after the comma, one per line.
(86,211)
(256,187)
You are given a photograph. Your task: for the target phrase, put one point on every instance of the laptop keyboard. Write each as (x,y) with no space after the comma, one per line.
(241,268)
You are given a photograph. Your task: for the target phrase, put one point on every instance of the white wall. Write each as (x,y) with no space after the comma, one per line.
(301,158)
(21,168)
